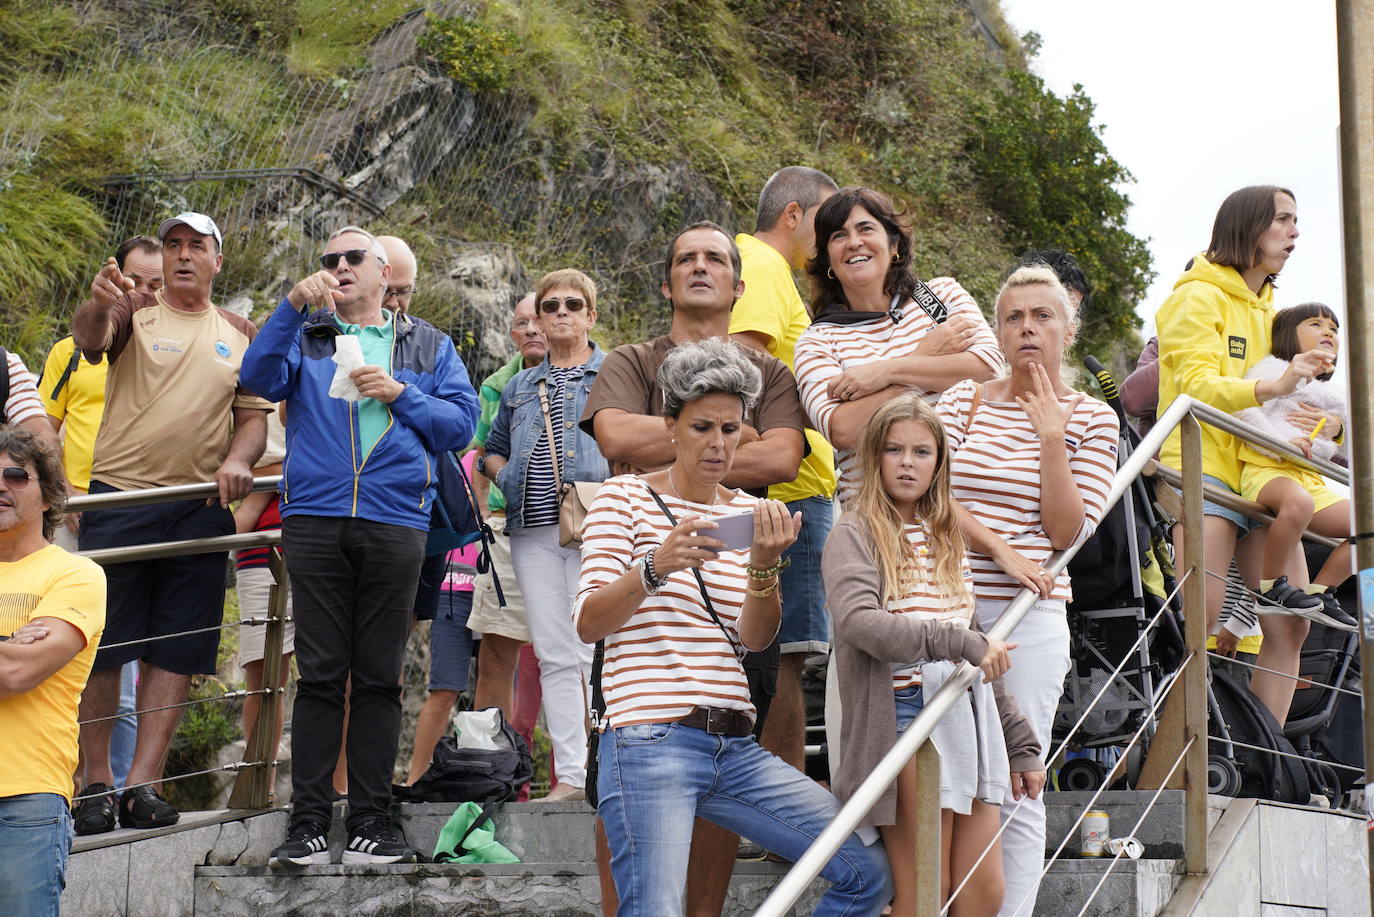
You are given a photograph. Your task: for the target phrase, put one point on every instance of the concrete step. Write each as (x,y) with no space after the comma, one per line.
(434,890)
(1161,832)
(1133,888)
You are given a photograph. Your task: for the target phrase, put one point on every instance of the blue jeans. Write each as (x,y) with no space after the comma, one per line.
(805,624)
(450,642)
(35,834)
(655,779)
(124,736)
(910,701)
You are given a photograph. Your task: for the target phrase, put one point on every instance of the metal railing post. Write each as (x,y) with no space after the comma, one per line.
(928,827)
(1354,66)
(254,785)
(1194,673)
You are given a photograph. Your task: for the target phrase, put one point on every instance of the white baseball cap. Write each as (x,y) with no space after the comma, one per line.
(197,221)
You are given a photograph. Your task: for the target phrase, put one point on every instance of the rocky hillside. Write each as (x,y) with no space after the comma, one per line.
(505,138)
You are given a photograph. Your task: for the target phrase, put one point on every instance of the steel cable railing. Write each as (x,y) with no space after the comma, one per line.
(256,793)
(1073,730)
(918,733)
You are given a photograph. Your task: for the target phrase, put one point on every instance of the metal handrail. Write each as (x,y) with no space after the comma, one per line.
(79,503)
(805,870)
(210,545)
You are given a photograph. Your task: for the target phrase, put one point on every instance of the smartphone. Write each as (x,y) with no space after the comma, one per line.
(737,531)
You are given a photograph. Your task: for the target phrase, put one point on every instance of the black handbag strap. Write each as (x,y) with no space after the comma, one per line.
(598,699)
(701,583)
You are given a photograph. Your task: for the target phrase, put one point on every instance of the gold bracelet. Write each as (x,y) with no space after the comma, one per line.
(764,593)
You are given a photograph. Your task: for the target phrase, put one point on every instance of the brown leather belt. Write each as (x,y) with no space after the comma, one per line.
(719,722)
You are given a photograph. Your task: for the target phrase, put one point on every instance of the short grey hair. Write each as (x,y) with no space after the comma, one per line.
(802,184)
(374,244)
(693,371)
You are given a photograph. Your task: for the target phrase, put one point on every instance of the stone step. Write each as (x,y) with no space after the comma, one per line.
(434,890)
(1134,888)
(1161,832)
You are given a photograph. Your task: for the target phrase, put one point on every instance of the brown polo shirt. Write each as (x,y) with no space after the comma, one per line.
(169,397)
(628,380)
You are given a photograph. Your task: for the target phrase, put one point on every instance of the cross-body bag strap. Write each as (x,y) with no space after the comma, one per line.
(555,454)
(701,583)
(598,699)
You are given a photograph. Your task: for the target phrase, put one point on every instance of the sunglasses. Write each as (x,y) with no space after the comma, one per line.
(550,306)
(15,476)
(354,257)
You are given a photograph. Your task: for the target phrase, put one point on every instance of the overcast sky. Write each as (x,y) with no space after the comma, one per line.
(1200,98)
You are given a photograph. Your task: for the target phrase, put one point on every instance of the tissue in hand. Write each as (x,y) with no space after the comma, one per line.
(348,356)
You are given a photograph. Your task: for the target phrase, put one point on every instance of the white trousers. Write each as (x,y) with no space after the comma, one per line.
(548,573)
(1036,679)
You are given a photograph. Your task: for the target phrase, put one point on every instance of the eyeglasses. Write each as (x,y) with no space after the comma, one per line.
(398,292)
(550,306)
(354,257)
(15,475)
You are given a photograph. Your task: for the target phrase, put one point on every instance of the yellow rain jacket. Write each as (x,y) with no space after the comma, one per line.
(1212,329)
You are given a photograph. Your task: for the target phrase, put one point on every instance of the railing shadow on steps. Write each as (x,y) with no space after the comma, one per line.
(1181,739)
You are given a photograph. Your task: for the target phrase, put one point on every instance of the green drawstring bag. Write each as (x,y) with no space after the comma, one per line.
(468,837)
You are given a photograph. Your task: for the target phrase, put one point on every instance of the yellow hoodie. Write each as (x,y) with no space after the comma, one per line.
(1212,329)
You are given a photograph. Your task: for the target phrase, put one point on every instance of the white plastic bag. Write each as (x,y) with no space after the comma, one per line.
(478,728)
(348,356)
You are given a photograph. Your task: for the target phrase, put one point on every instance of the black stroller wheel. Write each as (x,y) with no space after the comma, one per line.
(1222,777)
(1081,775)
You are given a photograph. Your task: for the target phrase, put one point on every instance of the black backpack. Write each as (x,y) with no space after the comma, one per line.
(1263,775)
(472,774)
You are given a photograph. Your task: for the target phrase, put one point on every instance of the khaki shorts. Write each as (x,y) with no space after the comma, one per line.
(488,617)
(254,588)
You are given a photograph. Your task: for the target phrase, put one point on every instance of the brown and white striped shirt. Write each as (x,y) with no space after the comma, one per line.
(923,599)
(825,350)
(995,474)
(669,656)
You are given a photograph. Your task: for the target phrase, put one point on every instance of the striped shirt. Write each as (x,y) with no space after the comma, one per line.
(923,599)
(825,350)
(995,474)
(541,496)
(23,403)
(669,656)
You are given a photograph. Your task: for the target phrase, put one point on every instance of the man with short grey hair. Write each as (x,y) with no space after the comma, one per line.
(400,287)
(358,485)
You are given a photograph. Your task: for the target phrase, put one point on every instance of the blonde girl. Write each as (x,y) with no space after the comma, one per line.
(897,580)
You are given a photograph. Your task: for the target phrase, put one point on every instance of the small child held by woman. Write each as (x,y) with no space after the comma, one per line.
(1314,418)
(897,580)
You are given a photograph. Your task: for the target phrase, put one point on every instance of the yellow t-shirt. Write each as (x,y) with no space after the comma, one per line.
(79,406)
(38,728)
(771,306)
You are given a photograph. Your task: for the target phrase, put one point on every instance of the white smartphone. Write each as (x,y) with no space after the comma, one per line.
(737,531)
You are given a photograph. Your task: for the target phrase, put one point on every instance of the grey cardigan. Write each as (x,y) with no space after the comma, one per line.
(867,640)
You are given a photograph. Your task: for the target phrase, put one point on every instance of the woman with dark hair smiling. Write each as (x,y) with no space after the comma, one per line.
(879,330)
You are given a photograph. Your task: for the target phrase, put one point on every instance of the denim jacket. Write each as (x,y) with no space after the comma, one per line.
(520,422)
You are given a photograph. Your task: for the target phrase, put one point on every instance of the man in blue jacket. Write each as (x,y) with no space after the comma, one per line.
(357,486)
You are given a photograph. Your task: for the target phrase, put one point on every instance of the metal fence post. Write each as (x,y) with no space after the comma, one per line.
(928,846)
(1354,67)
(1194,672)
(254,784)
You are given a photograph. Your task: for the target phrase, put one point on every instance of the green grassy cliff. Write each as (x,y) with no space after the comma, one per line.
(587,131)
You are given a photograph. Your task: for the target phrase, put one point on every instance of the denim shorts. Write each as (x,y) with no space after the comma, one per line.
(1242,521)
(450,642)
(805,624)
(910,701)
(35,836)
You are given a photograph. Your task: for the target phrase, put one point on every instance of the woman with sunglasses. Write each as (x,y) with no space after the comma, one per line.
(535,427)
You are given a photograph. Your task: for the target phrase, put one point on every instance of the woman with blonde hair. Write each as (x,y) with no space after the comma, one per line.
(898,581)
(1032,464)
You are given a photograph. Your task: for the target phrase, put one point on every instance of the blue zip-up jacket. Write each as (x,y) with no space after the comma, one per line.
(325,472)
(520,422)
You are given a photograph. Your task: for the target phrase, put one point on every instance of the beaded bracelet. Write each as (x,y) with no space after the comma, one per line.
(649,576)
(769,572)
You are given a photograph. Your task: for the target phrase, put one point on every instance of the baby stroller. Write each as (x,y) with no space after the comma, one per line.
(1121,577)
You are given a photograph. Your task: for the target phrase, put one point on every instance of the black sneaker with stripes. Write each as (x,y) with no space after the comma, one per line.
(305,845)
(376,840)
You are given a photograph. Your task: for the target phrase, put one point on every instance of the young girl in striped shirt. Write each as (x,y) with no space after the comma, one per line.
(898,582)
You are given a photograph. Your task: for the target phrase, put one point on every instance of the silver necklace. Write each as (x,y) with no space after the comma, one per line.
(715,491)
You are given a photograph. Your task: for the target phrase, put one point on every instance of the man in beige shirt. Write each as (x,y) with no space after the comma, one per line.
(174,414)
